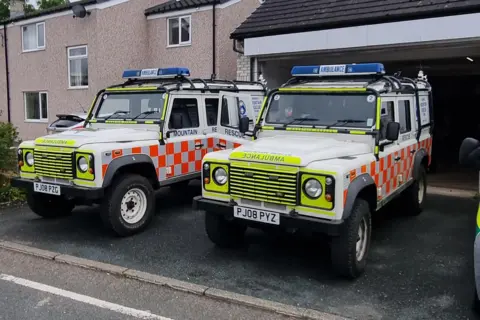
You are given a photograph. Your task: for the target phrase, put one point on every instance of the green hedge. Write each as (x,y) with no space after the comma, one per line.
(8,163)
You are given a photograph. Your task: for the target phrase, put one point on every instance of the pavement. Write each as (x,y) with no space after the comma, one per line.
(419,267)
(35,288)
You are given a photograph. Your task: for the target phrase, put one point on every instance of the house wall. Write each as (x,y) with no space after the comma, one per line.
(229,19)
(118,37)
(197,56)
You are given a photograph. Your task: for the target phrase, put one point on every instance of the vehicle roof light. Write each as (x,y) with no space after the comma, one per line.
(338,70)
(157,73)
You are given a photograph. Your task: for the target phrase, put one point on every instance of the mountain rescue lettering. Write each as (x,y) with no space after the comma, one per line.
(186,132)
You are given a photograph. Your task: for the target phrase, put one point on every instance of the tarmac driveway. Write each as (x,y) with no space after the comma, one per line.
(419,268)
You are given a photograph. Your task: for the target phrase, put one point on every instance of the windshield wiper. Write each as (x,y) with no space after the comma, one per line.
(343,122)
(146,113)
(299,119)
(115,113)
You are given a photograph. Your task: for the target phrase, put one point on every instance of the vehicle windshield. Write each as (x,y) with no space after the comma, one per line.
(130,106)
(322,109)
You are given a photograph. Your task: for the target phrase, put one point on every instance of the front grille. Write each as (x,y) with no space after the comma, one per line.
(263,185)
(54,164)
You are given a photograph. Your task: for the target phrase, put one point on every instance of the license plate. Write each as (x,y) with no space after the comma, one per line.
(46,188)
(257,215)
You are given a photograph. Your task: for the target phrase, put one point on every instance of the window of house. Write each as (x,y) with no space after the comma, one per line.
(36,106)
(211,106)
(405,118)
(184,114)
(33,37)
(78,67)
(179,31)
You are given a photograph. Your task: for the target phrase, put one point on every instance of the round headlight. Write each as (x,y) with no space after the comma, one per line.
(220,176)
(82,164)
(29,158)
(313,188)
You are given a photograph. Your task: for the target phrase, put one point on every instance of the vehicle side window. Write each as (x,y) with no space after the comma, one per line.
(184,114)
(405,118)
(387,115)
(229,111)
(211,106)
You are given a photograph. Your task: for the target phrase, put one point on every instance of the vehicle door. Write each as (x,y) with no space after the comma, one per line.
(232,107)
(185,136)
(405,113)
(389,166)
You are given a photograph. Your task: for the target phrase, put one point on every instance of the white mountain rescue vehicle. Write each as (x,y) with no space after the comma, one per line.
(148,132)
(332,145)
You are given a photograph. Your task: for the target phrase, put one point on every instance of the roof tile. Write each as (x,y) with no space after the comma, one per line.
(176,5)
(287,16)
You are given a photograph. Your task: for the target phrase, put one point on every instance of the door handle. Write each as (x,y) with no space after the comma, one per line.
(398,159)
(221,146)
(198,146)
(413,151)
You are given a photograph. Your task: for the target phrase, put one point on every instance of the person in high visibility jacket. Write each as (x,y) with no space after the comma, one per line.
(470,157)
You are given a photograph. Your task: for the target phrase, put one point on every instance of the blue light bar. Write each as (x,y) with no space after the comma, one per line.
(156,73)
(338,70)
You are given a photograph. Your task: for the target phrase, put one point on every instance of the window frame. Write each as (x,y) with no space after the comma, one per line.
(206,114)
(38,48)
(41,120)
(170,112)
(408,117)
(69,58)
(180,43)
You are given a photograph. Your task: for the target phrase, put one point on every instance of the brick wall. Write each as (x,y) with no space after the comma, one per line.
(243,68)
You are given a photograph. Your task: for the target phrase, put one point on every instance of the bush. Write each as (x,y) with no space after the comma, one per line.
(8,163)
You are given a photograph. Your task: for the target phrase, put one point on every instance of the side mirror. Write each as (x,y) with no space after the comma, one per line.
(244,124)
(469,155)
(177,121)
(393,131)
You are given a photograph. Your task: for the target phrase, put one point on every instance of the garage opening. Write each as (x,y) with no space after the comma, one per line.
(456,95)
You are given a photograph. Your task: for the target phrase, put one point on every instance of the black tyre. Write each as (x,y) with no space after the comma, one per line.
(225,234)
(413,198)
(129,205)
(350,249)
(179,187)
(48,206)
(476,303)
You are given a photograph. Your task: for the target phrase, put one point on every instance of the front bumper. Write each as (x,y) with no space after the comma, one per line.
(69,191)
(294,221)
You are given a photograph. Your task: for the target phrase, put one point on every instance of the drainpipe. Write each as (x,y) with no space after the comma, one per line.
(5,45)
(214,41)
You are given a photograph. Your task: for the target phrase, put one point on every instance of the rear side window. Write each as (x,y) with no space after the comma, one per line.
(65,123)
(404,116)
(211,106)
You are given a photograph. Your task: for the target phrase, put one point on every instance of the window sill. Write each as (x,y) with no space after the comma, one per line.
(33,50)
(78,88)
(36,121)
(179,45)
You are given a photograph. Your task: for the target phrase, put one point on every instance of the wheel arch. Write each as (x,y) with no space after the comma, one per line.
(140,164)
(361,187)
(421,159)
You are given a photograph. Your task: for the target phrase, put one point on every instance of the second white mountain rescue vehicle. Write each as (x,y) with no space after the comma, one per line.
(150,131)
(332,146)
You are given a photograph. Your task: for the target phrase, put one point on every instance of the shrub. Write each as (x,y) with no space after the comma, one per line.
(8,163)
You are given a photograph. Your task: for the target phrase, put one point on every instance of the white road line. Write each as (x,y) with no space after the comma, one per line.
(82,298)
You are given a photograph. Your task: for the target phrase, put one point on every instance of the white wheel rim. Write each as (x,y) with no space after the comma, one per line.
(362,238)
(421,191)
(134,206)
